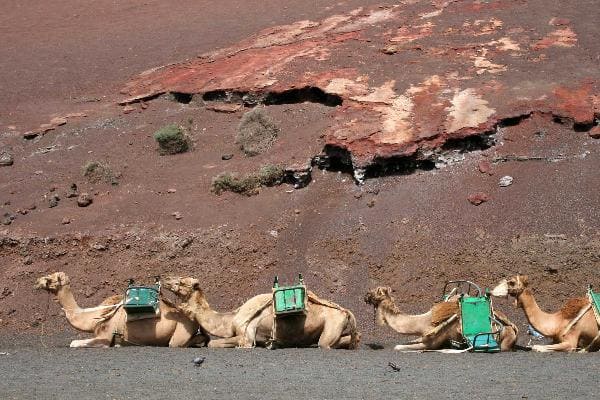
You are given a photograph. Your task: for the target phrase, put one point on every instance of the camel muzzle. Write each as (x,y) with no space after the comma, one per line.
(501,290)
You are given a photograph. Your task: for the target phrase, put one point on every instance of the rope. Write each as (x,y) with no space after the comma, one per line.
(576,319)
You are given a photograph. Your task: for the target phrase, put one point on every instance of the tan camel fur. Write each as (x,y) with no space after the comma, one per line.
(228,327)
(558,325)
(172,328)
(436,328)
(323,323)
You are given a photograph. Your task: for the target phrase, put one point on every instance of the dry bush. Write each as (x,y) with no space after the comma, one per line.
(256,132)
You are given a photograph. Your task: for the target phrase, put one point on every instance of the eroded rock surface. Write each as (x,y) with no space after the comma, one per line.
(459,68)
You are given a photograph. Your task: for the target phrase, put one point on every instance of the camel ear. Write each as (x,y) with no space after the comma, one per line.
(196,286)
(525,280)
(389,291)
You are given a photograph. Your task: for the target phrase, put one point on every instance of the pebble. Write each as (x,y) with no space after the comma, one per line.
(177,215)
(505,181)
(478,198)
(84,200)
(6,159)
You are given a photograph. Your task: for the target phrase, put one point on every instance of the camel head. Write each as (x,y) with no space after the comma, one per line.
(182,287)
(513,286)
(52,282)
(375,296)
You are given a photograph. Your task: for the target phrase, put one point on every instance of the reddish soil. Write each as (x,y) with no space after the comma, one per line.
(408,229)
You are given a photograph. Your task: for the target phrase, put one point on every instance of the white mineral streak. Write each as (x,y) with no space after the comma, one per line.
(468,110)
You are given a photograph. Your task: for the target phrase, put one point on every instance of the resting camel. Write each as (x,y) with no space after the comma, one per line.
(170,329)
(252,323)
(229,327)
(436,328)
(573,326)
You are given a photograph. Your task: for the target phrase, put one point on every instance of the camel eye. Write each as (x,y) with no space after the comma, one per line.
(511,283)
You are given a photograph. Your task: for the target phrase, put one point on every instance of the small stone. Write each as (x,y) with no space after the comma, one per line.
(177,215)
(99,247)
(65,221)
(297,211)
(390,50)
(12,127)
(31,207)
(47,127)
(6,159)
(357,195)
(505,181)
(84,200)
(73,192)
(58,121)
(28,260)
(226,157)
(143,105)
(7,218)
(485,167)
(128,109)
(52,202)
(22,212)
(171,190)
(371,203)
(478,198)
(595,132)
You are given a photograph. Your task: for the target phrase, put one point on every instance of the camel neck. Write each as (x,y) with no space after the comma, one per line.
(389,314)
(543,322)
(215,323)
(67,301)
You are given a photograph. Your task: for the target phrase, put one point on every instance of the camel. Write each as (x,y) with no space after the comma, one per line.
(252,323)
(573,326)
(170,329)
(228,327)
(324,323)
(436,328)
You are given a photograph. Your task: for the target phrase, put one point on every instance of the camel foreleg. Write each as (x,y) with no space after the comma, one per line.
(563,346)
(94,342)
(410,347)
(225,343)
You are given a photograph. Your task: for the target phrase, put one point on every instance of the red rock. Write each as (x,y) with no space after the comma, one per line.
(485,167)
(595,132)
(58,121)
(478,198)
(66,221)
(224,108)
(128,109)
(76,115)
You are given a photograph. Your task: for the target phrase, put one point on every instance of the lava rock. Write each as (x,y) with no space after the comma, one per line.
(478,198)
(6,159)
(73,192)
(7,218)
(53,201)
(226,157)
(84,200)
(66,221)
(485,167)
(595,132)
(177,215)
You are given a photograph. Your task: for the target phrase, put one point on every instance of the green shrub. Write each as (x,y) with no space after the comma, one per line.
(96,171)
(268,175)
(256,132)
(171,140)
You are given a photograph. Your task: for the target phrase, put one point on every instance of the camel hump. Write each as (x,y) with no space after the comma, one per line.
(573,306)
(112,300)
(251,309)
(313,298)
(440,312)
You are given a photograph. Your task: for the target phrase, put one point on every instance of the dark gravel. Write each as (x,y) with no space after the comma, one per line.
(158,373)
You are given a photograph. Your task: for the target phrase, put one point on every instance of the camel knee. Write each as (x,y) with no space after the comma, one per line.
(89,343)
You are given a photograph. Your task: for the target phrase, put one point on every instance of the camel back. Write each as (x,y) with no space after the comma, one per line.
(313,298)
(573,306)
(440,312)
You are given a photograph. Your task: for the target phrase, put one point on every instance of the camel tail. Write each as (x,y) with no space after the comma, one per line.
(354,335)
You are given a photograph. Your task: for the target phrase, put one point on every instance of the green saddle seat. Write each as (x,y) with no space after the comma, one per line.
(476,319)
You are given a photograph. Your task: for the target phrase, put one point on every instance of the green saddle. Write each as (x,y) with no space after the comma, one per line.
(476,319)
(289,300)
(142,301)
